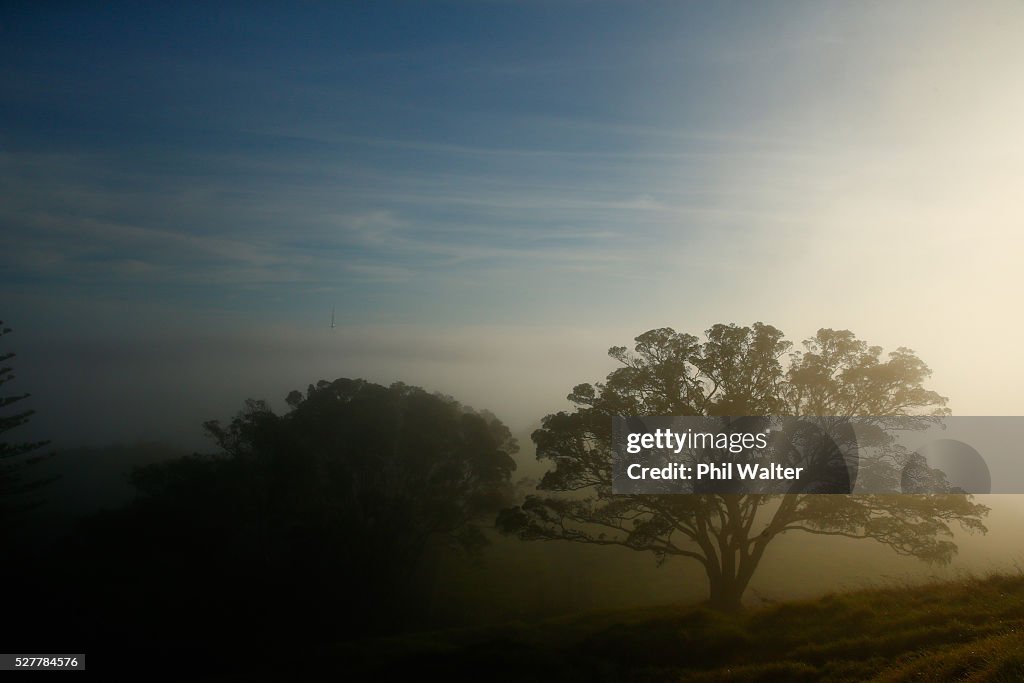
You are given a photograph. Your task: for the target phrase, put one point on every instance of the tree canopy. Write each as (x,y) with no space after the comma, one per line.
(738,370)
(396,465)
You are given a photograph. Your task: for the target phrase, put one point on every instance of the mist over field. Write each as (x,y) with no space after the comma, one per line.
(201,206)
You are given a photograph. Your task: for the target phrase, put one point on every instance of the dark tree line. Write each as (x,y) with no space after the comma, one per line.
(311,526)
(305,528)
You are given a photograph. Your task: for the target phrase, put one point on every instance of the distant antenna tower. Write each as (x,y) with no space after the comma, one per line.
(332,318)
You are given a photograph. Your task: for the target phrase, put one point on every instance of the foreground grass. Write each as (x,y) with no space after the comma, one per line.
(970,630)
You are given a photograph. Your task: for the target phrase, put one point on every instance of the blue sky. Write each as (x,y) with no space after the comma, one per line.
(406,161)
(507,182)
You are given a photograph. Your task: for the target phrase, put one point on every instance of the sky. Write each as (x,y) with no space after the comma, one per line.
(489,195)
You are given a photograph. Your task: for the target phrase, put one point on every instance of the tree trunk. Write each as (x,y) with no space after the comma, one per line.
(726,592)
(729,577)
(731,555)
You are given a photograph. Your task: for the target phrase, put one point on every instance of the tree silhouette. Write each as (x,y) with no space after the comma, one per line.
(738,371)
(16,456)
(397,464)
(311,524)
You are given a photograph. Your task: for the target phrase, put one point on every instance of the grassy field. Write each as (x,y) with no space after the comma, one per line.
(972,629)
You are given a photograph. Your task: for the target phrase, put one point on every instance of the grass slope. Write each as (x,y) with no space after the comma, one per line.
(971,630)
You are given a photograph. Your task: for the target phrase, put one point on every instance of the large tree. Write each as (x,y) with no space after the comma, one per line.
(389,469)
(738,371)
